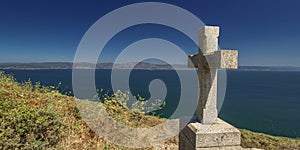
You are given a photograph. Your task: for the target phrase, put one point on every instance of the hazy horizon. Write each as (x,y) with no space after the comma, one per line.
(131,62)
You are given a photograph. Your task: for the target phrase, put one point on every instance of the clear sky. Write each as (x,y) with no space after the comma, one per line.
(266,32)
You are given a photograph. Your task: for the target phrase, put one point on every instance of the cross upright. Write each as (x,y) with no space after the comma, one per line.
(208,60)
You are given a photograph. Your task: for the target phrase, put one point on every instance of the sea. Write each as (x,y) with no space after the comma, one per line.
(260,101)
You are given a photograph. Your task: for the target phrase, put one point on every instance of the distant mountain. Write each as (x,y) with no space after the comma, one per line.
(45,65)
(68,65)
(268,68)
(141,65)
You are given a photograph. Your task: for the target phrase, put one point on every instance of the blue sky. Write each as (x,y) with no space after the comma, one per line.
(266,32)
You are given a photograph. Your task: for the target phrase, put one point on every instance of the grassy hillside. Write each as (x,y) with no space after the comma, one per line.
(264,141)
(36,117)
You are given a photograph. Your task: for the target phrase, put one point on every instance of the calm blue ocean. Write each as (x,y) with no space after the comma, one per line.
(267,102)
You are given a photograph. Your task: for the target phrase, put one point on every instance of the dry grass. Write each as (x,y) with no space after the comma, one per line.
(267,142)
(76,134)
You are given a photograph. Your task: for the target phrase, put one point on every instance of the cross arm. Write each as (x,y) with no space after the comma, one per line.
(222,59)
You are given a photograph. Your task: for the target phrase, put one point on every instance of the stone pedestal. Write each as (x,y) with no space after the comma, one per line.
(217,136)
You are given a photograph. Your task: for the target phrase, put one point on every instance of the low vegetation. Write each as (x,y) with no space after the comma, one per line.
(37,117)
(268,142)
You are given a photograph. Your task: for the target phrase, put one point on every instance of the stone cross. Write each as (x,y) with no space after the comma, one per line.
(208,61)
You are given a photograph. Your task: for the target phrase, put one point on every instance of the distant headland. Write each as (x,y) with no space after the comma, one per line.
(140,65)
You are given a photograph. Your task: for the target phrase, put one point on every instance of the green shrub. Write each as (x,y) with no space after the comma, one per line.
(26,127)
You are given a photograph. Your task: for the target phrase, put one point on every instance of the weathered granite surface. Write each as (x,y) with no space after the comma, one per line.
(222,59)
(208,60)
(208,39)
(209,132)
(219,134)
